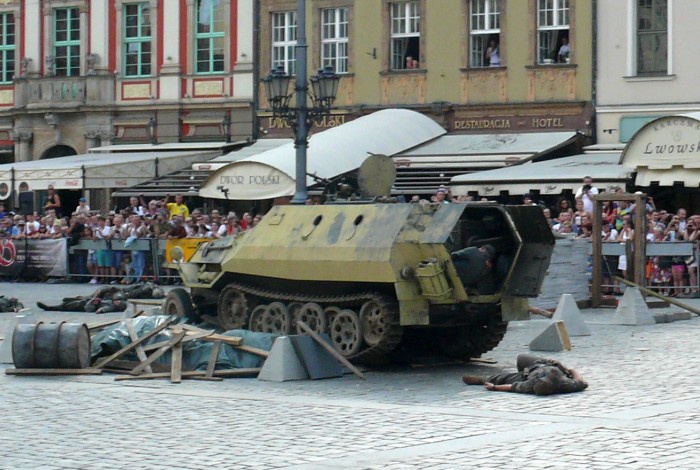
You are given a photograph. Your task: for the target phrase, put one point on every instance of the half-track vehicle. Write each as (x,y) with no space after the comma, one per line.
(376,277)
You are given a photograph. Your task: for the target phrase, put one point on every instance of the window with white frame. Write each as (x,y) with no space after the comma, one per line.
(334,39)
(405,35)
(210,36)
(484,33)
(553,31)
(652,37)
(66,42)
(284,40)
(7,47)
(137,40)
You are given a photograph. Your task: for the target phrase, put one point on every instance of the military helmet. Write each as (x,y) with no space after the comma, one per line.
(158,293)
(119,296)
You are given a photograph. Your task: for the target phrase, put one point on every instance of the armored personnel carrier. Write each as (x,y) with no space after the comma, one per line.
(374,276)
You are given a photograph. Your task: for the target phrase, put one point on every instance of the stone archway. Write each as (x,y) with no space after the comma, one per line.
(58,151)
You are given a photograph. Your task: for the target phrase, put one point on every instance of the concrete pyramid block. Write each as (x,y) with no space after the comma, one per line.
(283,364)
(318,362)
(633,310)
(568,312)
(554,338)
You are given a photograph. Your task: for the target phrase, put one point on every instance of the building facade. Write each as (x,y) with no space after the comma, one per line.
(645,77)
(77,74)
(475,66)
(645,67)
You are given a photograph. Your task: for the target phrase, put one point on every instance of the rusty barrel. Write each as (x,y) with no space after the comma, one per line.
(51,346)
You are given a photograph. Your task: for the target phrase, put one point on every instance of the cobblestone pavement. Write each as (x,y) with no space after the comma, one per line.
(640,411)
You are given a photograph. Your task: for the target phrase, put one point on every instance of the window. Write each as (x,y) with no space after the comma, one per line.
(552,31)
(7,47)
(284,39)
(137,40)
(210,36)
(484,33)
(67,42)
(334,39)
(652,37)
(405,35)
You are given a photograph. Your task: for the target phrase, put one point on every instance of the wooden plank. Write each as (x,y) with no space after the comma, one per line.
(176,339)
(597,258)
(483,360)
(209,379)
(230,340)
(212,358)
(330,349)
(670,300)
(189,337)
(176,363)
(119,366)
(252,350)
(139,349)
(86,371)
(133,344)
(251,372)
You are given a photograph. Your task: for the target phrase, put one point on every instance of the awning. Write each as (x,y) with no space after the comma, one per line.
(666,151)
(548,177)
(97,170)
(425,168)
(331,153)
(188,181)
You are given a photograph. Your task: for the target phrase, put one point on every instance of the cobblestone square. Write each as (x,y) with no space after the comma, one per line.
(640,411)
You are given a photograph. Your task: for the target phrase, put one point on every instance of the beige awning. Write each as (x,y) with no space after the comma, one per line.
(666,151)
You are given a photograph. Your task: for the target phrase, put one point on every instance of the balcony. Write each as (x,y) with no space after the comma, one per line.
(64,92)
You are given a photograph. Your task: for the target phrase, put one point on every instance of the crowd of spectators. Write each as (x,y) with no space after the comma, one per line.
(671,275)
(159,218)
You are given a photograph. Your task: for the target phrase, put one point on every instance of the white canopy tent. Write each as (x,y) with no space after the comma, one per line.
(432,164)
(97,170)
(331,153)
(548,177)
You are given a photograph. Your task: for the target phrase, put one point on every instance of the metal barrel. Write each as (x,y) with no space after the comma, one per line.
(51,345)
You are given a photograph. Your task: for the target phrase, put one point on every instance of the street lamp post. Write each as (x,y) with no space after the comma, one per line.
(324,88)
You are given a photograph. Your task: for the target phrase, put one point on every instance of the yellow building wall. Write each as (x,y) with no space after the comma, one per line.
(443,74)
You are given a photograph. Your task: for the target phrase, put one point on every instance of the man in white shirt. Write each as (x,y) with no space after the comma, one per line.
(585,192)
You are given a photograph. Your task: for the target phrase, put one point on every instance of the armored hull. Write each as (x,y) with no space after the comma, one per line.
(375,276)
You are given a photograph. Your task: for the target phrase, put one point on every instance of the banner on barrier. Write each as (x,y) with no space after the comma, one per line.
(188,245)
(34,258)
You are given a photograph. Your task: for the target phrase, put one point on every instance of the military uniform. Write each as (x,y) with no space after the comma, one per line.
(10,304)
(108,306)
(532,371)
(73,304)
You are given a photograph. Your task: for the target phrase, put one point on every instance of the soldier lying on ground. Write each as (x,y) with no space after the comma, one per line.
(535,375)
(103,304)
(10,304)
(142,290)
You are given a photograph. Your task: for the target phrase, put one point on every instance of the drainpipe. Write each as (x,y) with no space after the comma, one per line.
(256,70)
(594,71)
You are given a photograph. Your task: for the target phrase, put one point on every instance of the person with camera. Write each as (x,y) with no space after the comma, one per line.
(585,193)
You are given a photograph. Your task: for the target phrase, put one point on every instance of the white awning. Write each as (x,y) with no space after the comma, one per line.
(331,153)
(256,148)
(666,151)
(548,177)
(96,170)
(433,164)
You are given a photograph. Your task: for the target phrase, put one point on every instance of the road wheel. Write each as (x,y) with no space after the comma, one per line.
(232,309)
(346,333)
(276,319)
(178,302)
(256,317)
(313,315)
(374,322)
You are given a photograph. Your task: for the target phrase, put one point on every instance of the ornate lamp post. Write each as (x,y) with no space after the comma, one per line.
(324,88)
